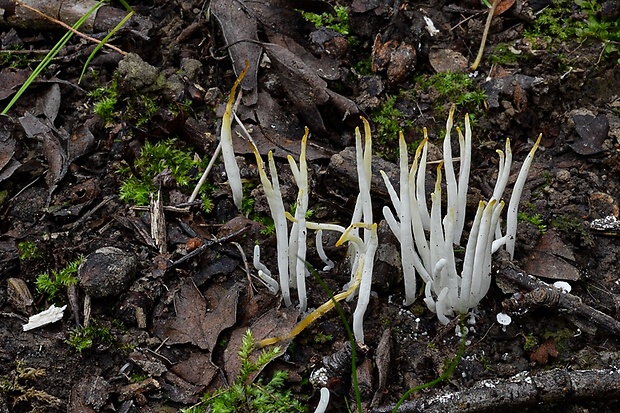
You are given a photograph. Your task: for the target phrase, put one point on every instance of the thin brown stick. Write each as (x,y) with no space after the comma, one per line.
(66,26)
(487,26)
(33,51)
(542,294)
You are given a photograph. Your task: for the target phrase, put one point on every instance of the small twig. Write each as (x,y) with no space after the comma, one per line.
(25,51)
(88,214)
(465,20)
(167,208)
(206,245)
(543,294)
(245,262)
(203,178)
(487,26)
(13,315)
(66,26)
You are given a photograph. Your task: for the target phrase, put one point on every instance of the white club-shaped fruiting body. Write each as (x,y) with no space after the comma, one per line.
(428,237)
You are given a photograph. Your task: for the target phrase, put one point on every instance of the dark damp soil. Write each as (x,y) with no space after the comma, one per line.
(152,327)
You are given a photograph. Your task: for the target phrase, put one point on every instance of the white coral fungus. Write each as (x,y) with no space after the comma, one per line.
(449,291)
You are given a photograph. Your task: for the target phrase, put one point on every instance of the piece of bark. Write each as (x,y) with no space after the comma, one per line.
(19,295)
(158,222)
(521,390)
(12,14)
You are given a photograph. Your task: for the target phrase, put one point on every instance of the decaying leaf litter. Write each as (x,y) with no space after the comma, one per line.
(175,331)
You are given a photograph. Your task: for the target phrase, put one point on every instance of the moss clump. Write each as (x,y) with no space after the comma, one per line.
(571,225)
(503,54)
(82,338)
(51,283)
(339,21)
(159,158)
(389,121)
(17,386)
(245,395)
(561,21)
(105,99)
(534,219)
(28,251)
(451,88)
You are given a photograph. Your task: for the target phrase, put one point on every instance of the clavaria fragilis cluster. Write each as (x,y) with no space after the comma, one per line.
(362,250)
(427,237)
(448,291)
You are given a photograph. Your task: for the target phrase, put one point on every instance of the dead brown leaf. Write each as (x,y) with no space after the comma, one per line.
(240,28)
(7,140)
(191,322)
(197,369)
(56,159)
(48,102)
(552,258)
(544,351)
(503,6)
(274,323)
(11,79)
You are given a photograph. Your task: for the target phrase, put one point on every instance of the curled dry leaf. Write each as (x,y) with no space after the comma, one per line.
(240,28)
(52,149)
(189,321)
(7,140)
(541,354)
(503,6)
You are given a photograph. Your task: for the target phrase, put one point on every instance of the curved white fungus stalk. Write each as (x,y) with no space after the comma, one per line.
(363,273)
(363,296)
(228,153)
(417,222)
(513,206)
(263,272)
(464,167)
(451,278)
(468,262)
(271,284)
(363,204)
(323,402)
(258,265)
(451,185)
(403,229)
(505,160)
(436,241)
(297,243)
(420,186)
(329,264)
(278,214)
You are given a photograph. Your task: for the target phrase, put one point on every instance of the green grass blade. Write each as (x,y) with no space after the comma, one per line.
(104,41)
(48,58)
(347,327)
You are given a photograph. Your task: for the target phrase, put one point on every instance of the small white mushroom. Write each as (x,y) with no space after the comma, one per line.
(563,286)
(504,319)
